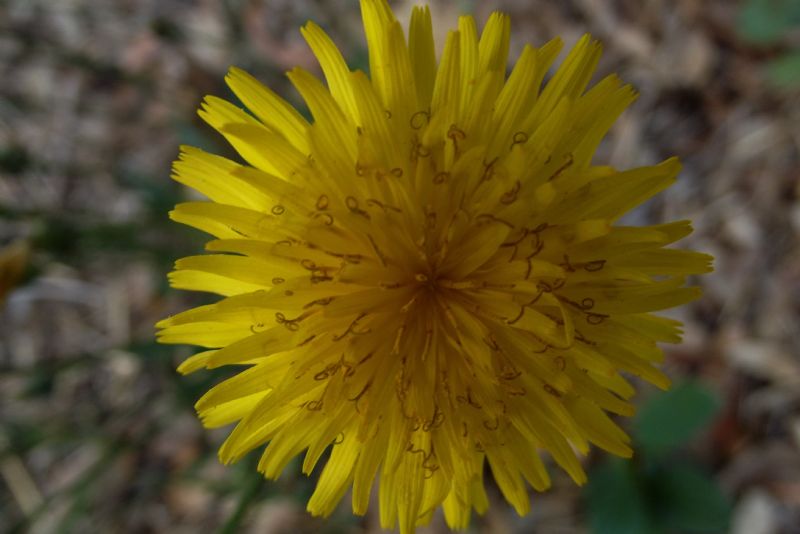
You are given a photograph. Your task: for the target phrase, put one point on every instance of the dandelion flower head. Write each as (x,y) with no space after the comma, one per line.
(430,275)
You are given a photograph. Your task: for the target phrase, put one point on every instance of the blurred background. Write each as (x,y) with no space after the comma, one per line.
(97,431)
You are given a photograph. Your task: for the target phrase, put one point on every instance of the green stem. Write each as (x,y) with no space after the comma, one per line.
(249,494)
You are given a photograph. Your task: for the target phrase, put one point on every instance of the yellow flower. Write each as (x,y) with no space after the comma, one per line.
(14,260)
(428,276)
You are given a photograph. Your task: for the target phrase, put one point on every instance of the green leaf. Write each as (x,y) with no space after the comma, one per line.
(616,499)
(14,159)
(766,21)
(670,419)
(785,71)
(687,500)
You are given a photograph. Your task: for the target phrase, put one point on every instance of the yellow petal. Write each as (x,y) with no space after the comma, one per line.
(272,110)
(422,53)
(334,67)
